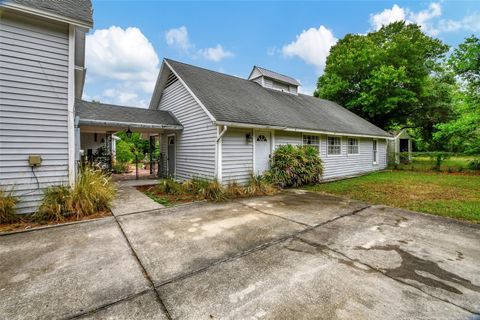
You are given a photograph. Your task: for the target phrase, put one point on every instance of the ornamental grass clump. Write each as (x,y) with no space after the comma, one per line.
(295,166)
(7,207)
(92,193)
(259,186)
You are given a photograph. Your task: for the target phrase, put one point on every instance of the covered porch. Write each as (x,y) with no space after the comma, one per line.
(95,139)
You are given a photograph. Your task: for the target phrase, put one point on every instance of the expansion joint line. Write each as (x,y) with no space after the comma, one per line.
(256,248)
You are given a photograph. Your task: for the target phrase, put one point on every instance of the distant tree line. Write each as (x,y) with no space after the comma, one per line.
(398,77)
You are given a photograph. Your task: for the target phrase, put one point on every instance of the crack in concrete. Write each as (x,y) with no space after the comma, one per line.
(322,246)
(256,248)
(273,215)
(144,270)
(105,306)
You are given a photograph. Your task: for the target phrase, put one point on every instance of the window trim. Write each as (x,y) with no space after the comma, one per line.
(335,154)
(348,145)
(375,152)
(319,145)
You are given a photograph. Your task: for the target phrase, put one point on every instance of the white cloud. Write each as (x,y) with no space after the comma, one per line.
(423,18)
(178,38)
(126,59)
(312,46)
(215,54)
(387,16)
(428,19)
(468,23)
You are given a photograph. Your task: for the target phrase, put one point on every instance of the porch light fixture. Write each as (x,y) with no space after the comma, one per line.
(129,133)
(248,137)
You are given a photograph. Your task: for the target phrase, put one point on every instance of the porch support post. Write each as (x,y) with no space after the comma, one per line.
(152,148)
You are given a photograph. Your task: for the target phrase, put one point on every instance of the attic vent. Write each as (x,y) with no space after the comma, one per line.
(172,78)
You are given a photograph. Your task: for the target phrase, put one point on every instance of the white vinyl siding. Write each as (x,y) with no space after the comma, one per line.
(286,137)
(33,106)
(237,156)
(345,165)
(341,165)
(195,145)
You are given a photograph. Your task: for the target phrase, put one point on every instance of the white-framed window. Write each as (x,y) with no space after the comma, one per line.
(375,151)
(334,145)
(310,140)
(352,146)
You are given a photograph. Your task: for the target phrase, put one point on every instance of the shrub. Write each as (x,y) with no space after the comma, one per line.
(474,164)
(56,205)
(169,186)
(295,166)
(7,207)
(196,186)
(235,190)
(214,191)
(92,193)
(121,167)
(259,186)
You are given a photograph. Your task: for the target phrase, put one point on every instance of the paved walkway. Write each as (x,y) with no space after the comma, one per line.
(130,200)
(290,256)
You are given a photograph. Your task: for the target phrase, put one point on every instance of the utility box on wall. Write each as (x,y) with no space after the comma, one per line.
(34,160)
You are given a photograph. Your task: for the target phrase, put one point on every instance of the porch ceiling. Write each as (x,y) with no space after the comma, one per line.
(98,117)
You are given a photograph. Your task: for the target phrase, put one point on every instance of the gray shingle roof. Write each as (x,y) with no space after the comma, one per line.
(74,9)
(233,99)
(113,113)
(274,75)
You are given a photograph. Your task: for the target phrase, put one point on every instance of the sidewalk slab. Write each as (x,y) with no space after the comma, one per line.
(65,271)
(130,200)
(180,240)
(437,255)
(305,207)
(294,280)
(142,307)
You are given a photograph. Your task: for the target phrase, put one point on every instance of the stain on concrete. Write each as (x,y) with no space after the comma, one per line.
(412,266)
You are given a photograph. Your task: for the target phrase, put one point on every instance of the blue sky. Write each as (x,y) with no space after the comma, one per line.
(130,38)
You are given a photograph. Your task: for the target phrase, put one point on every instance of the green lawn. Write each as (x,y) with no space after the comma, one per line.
(443,194)
(425,163)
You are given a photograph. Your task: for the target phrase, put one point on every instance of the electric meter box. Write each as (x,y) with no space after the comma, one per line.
(34,160)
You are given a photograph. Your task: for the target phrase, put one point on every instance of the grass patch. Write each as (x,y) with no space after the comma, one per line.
(452,164)
(450,195)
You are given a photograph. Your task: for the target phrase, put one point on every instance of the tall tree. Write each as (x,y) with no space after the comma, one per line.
(391,77)
(462,134)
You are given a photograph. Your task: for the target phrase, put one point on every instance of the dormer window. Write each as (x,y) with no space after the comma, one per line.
(272,80)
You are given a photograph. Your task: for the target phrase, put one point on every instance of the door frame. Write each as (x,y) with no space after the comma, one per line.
(272,137)
(175,154)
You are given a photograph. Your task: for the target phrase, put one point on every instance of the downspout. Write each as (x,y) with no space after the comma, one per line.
(222,133)
(219,154)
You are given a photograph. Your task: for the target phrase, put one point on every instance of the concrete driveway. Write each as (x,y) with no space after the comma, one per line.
(291,256)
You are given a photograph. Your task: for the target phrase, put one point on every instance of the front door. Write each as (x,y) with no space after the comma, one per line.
(171,155)
(262,152)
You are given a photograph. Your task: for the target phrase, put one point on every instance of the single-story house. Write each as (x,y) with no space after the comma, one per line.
(210,124)
(232,125)
(400,146)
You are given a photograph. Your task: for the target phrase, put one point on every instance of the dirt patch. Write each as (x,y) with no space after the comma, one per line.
(167,199)
(26,225)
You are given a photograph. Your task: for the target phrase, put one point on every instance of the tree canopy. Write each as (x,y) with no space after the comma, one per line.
(392,77)
(462,134)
